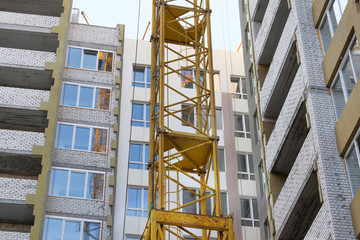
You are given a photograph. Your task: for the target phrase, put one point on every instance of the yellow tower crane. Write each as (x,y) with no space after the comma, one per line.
(181,49)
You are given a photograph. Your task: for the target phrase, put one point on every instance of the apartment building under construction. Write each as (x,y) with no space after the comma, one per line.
(303,58)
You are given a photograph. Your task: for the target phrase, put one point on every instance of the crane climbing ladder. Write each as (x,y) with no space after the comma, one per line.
(181,42)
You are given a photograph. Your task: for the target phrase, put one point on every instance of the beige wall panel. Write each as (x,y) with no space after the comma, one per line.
(318,8)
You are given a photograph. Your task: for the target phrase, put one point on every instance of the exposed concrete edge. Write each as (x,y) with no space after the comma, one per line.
(349,121)
(39,199)
(318,9)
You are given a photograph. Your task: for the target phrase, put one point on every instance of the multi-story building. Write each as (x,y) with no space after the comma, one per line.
(237,177)
(59,108)
(306,56)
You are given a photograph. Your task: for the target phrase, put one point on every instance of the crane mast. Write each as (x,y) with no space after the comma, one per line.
(181,55)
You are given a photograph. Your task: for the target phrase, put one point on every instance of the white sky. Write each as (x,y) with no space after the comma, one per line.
(225,18)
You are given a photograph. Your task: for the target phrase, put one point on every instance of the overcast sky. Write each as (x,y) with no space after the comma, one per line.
(225,18)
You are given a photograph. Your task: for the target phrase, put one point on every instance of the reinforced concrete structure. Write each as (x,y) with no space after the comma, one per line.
(302,57)
(59,113)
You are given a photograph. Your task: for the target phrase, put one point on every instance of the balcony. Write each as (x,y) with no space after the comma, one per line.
(271,30)
(25,69)
(38,7)
(12,200)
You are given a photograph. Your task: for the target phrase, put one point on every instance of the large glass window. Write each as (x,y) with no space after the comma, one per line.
(77,95)
(77,183)
(330,21)
(189,196)
(242,126)
(139,156)
(245,167)
(187,114)
(68,228)
(238,87)
(89,59)
(141,77)
(262,179)
(221,154)
(218,118)
(187,78)
(249,212)
(79,137)
(140,115)
(137,203)
(346,77)
(353,165)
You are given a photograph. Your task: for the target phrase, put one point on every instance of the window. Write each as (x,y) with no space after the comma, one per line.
(186,82)
(137,204)
(140,115)
(252,81)
(139,156)
(267,230)
(77,183)
(238,87)
(257,131)
(262,180)
(352,159)
(71,228)
(187,114)
(245,167)
(330,21)
(195,208)
(249,212)
(89,59)
(221,153)
(242,126)
(141,77)
(81,137)
(132,238)
(77,95)
(346,77)
(218,119)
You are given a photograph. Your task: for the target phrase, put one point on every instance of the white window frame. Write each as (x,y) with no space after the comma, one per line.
(146,84)
(78,96)
(240,83)
(339,75)
(252,219)
(97,58)
(248,172)
(246,132)
(262,181)
(143,163)
(82,220)
(327,15)
(90,137)
(144,121)
(198,208)
(348,151)
(86,180)
(216,84)
(142,209)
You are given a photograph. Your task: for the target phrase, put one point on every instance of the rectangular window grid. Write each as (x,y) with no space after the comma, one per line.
(141,77)
(249,212)
(139,156)
(77,184)
(85,96)
(89,59)
(242,126)
(238,87)
(137,202)
(57,228)
(82,137)
(352,159)
(245,167)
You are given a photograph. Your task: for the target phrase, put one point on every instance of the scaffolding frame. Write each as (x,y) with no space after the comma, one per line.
(181,29)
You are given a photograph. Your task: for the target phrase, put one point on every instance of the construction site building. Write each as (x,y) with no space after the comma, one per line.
(59,108)
(237,177)
(305,62)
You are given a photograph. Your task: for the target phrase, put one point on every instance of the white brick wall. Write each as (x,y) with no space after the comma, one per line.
(16,188)
(20,140)
(14,235)
(28,19)
(94,34)
(25,58)
(21,97)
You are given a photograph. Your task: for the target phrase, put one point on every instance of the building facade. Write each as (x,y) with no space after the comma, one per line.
(60,90)
(237,176)
(306,61)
